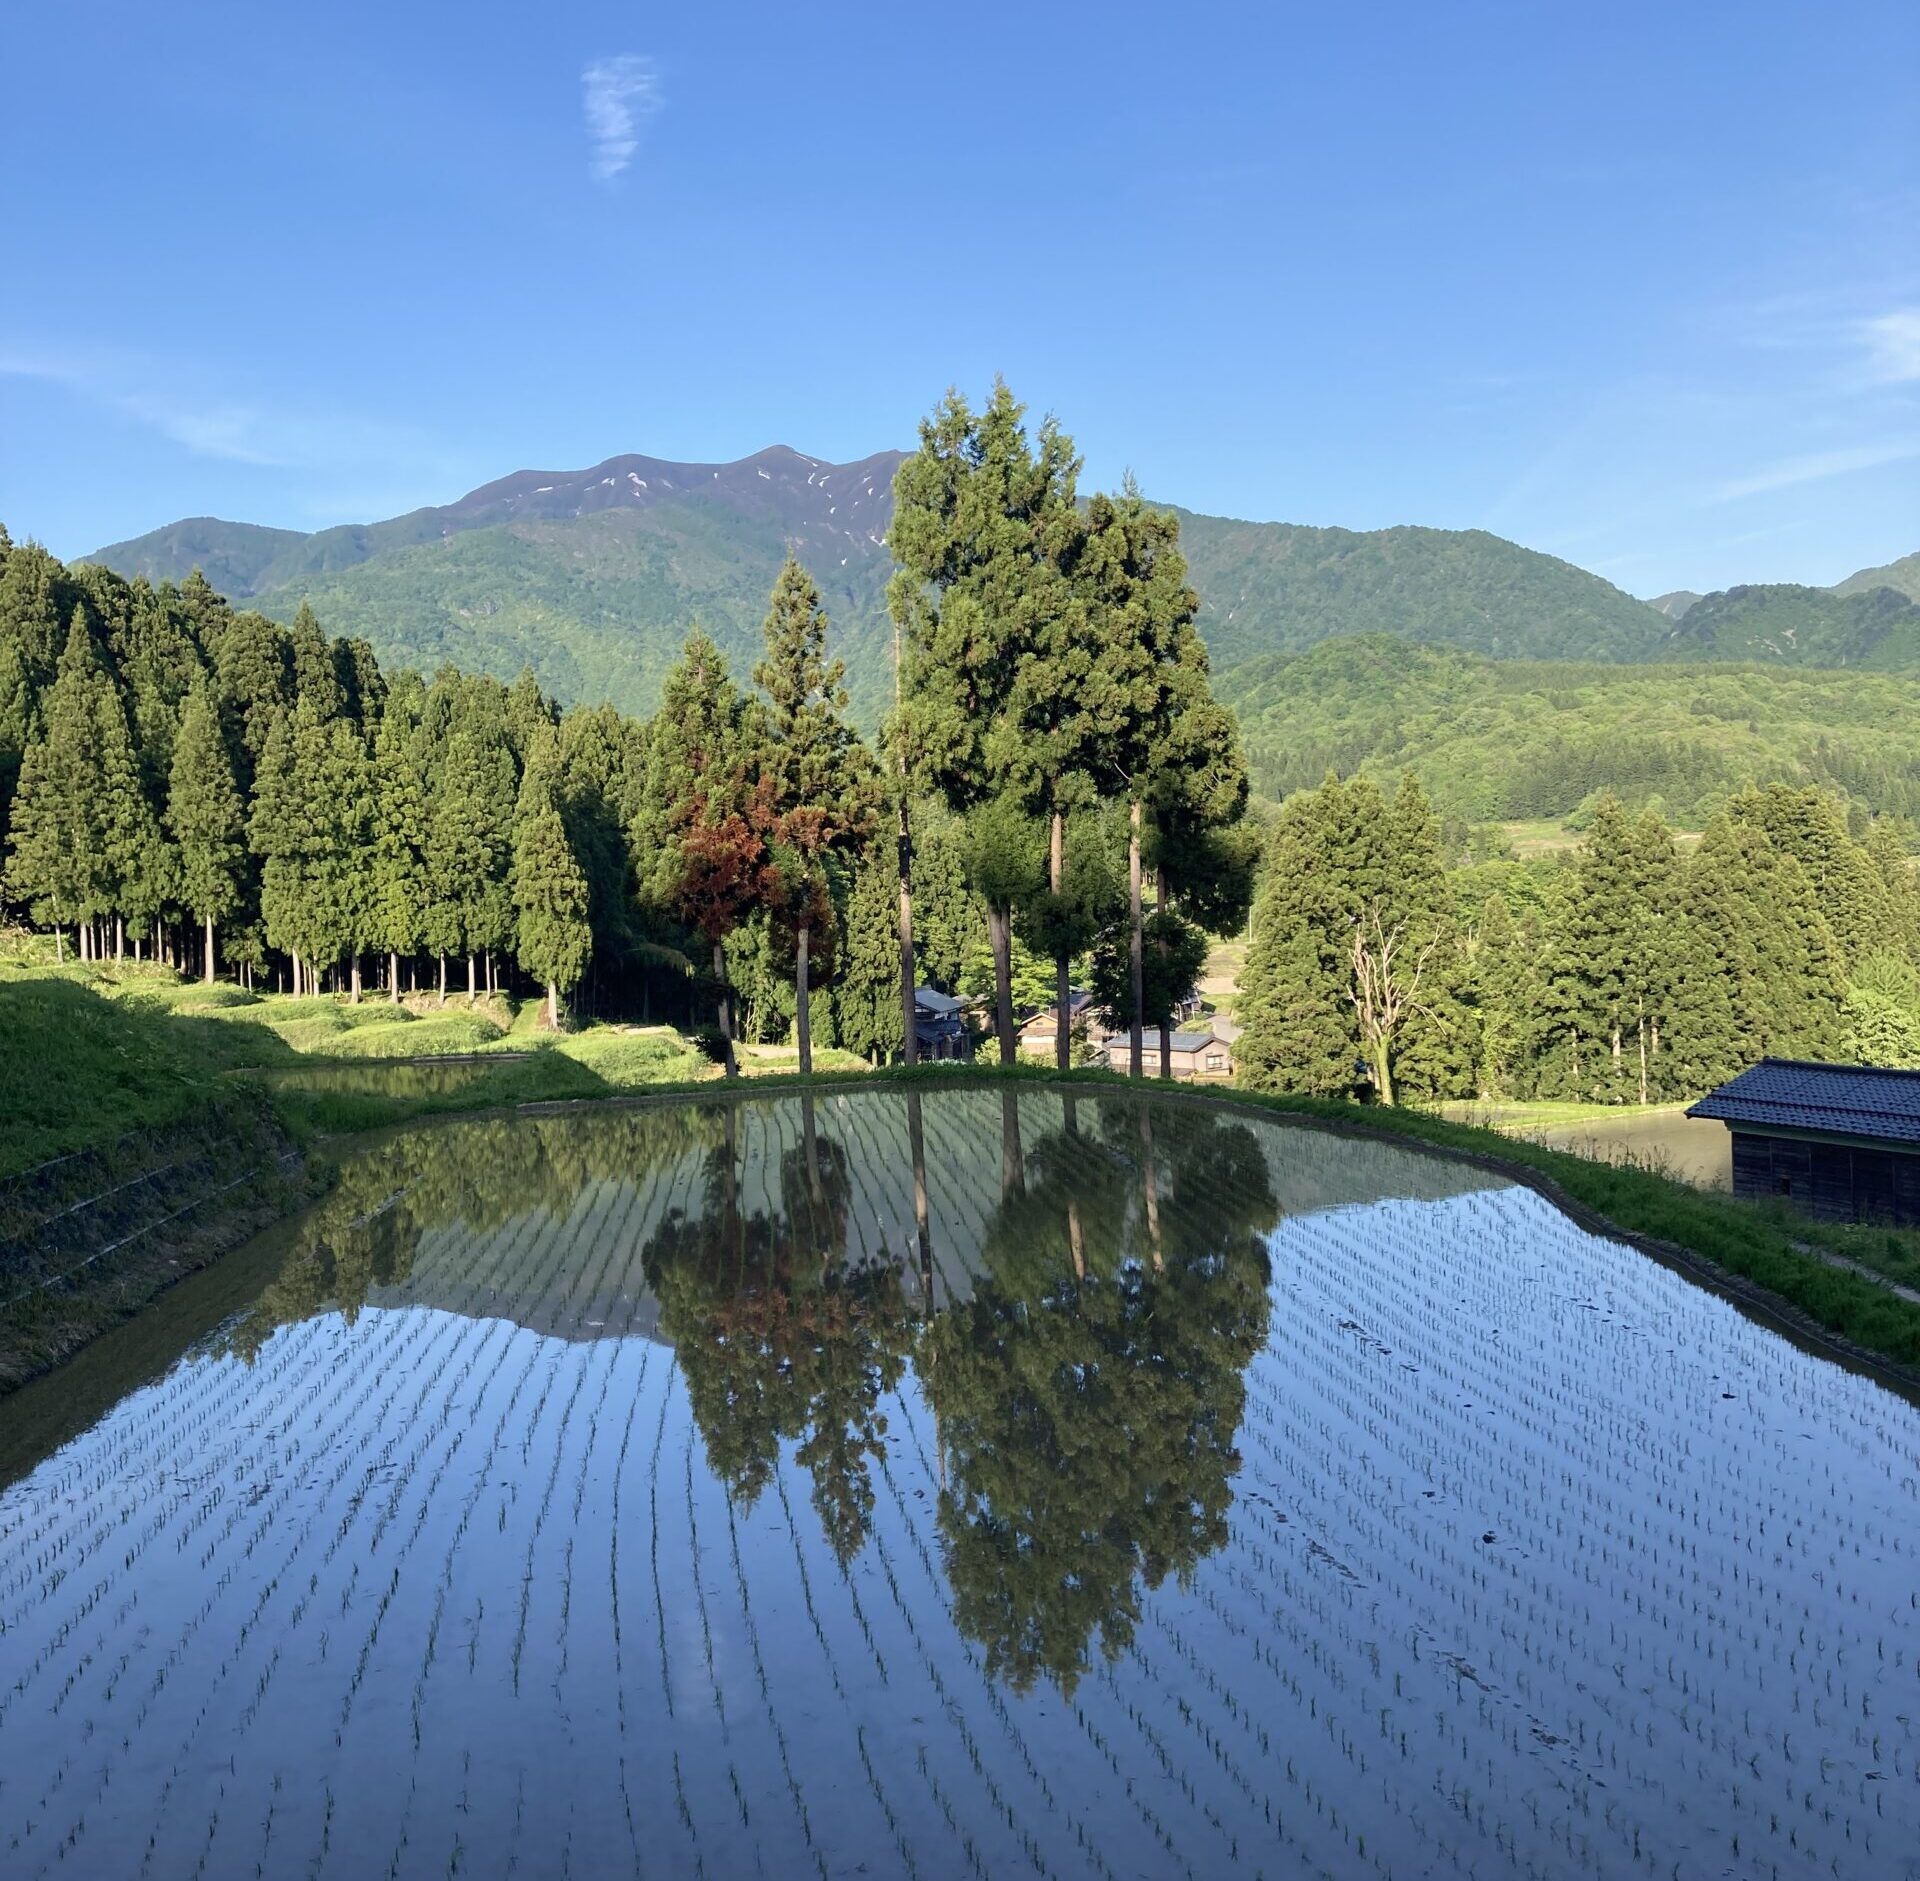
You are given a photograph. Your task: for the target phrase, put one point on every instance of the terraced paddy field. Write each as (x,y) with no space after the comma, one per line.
(977,1482)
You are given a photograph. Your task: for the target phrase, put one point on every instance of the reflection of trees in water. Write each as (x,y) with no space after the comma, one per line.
(478,1175)
(779,1336)
(1090,1391)
(1088,1394)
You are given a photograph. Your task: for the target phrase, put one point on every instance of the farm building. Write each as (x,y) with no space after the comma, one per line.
(1840,1141)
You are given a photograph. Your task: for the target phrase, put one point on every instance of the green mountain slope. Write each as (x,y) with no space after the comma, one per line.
(1515,738)
(1783,624)
(594,576)
(1902,576)
(1279,587)
(231,555)
(598,607)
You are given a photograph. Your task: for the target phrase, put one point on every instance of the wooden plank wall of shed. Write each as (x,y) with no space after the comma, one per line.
(1832,1181)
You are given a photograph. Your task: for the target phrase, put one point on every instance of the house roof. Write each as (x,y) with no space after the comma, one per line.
(930,1001)
(1832,1100)
(1179,1042)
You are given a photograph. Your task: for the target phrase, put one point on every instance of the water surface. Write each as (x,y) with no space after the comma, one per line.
(946,1485)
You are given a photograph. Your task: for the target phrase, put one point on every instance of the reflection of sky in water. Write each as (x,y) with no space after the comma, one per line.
(1317,1507)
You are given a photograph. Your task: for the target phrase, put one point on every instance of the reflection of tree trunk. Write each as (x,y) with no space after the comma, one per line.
(1013,1174)
(1062,987)
(810,1147)
(922,1233)
(1070,1108)
(1000,934)
(1075,1240)
(725,1004)
(1136,960)
(802,1026)
(1150,1187)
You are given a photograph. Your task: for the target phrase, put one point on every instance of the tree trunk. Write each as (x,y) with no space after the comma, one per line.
(473,984)
(393,976)
(119,939)
(1383,1070)
(1160,947)
(725,1007)
(1136,958)
(1000,933)
(909,1040)
(1062,984)
(356,979)
(443,979)
(209,950)
(802,1018)
(1643,1061)
(59,945)
(553,1007)
(294,972)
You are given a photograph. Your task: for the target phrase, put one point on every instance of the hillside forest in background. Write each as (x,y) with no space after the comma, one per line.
(1050,796)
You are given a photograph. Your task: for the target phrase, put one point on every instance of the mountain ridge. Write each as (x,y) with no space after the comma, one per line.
(594,577)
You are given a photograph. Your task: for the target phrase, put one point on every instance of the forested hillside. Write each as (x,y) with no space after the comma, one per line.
(1498,739)
(1783,624)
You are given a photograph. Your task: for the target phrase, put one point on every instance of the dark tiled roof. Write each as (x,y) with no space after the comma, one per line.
(1841,1100)
(928,1000)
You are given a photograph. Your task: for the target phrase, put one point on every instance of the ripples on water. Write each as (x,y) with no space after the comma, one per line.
(955,1485)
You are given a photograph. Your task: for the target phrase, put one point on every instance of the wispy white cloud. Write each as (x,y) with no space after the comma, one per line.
(1892,341)
(182,404)
(618,96)
(1814,466)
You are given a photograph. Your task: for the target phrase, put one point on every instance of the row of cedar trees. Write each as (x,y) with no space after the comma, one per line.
(166,760)
(1632,970)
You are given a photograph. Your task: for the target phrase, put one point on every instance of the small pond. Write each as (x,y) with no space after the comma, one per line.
(966,1483)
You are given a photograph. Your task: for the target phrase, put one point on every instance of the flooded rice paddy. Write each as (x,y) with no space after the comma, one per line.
(950,1485)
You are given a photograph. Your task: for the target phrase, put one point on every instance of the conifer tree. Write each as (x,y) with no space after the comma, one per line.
(207,818)
(700,832)
(819,777)
(398,887)
(1150,677)
(553,938)
(58,864)
(980,513)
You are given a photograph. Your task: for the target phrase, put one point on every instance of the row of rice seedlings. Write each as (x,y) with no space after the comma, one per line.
(1493,1458)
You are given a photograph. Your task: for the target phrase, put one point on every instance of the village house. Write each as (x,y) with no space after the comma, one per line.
(1841,1142)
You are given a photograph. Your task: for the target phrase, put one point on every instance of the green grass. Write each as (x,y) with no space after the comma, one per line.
(78,1070)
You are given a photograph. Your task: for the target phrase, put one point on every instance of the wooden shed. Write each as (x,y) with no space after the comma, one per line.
(1841,1142)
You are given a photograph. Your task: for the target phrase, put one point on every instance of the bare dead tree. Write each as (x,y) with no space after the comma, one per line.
(1384,989)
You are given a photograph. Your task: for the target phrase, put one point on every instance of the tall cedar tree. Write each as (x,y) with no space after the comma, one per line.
(397,899)
(980,513)
(1151,677)
(819,778)
(554,940)
(58,864)
(207,818)
(700,838)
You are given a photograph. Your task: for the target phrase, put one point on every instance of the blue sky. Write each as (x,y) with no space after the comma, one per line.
(1638,285)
